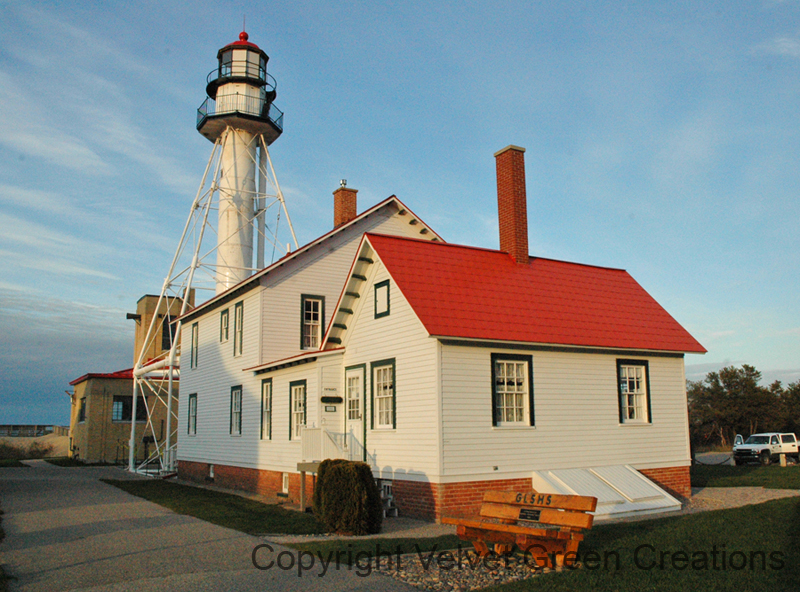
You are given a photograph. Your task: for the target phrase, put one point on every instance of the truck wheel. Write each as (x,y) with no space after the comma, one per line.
(737,462)
(764,457)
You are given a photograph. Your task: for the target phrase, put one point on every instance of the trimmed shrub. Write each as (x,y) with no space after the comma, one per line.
(346,498)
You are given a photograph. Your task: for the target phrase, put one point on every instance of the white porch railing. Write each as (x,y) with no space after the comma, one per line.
(319,444)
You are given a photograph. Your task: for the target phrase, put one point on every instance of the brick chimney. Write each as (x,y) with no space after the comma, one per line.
(344,204)
(511,203)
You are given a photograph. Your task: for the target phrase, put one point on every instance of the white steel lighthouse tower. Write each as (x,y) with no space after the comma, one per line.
(239,181)
(239,114)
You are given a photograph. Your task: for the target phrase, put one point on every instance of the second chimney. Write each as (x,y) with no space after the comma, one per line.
(512,207)
(344,205)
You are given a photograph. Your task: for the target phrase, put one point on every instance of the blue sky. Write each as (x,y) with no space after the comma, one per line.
(661,138)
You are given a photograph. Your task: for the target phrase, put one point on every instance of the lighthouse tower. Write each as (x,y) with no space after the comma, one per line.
(239,181)
(239,114)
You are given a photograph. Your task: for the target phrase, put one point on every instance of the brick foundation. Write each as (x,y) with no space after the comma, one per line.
(675,480)
(433,501)
(417,499)
(262,482)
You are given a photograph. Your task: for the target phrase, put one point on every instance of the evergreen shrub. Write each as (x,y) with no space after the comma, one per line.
(346,498)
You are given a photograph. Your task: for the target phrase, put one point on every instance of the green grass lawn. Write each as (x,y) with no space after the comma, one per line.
(4,579)
(224,509)
(687,543)
(772,477)
(684,546)
(64,461)
(11,463)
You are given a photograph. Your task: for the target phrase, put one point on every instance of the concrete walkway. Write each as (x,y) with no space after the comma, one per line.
(66,530)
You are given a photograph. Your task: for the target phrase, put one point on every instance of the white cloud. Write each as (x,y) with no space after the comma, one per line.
(48,314)
(28,127)
(54,265)
(781,45)
(34,199)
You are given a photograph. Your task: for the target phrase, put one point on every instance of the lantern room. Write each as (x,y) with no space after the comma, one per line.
(240,94)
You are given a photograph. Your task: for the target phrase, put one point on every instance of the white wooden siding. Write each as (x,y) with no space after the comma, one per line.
(271,332)
(216,372)
(322,273)
(411,451)
(576,416)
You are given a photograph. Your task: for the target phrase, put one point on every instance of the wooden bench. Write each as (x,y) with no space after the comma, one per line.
(548,526)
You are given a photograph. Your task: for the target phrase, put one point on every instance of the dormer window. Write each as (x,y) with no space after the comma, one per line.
(313,320)
(382,299)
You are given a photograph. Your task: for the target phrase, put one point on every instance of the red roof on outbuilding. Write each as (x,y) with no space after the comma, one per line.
(124,374)
(473,293)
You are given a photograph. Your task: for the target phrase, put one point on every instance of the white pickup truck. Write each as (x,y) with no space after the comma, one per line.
(765,448)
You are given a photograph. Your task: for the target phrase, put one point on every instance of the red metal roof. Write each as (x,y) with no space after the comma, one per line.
(243,41)
(124,374)
(120,374)
(467,292)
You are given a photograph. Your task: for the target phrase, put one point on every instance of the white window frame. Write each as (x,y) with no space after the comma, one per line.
(512,390)
(266,409)
(383,385)
(117,410)
(633,390)
(353,395)
(195,345)
(238,328)
(236,410)
(311,321)
(224,325)
(191,427)
(297,408)
(381,299)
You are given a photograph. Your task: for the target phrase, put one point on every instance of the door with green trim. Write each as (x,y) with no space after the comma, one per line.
(354,412)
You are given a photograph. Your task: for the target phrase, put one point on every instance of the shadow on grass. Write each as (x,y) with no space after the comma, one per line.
(64,461)
(12,463)
(224,509)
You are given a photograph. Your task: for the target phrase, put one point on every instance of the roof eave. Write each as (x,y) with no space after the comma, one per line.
(478,341)
(252,282)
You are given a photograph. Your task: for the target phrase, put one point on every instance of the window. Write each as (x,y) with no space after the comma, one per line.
(266,409)
(634,391)
(382,299)
(121,409)
(166,333)
(297,406)
(224,318)
(238,328)
(512,390)
(116,409)
(236,410)
(192,423)
(82,410)
(353,395)
(195,346)
(313,320)
(383,395)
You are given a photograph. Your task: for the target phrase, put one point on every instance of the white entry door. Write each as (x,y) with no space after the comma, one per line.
(354,412)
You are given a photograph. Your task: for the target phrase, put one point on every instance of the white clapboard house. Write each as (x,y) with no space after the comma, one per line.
(450,369)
